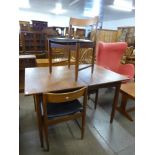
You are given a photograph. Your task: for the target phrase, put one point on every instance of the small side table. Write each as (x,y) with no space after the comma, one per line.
(128,91)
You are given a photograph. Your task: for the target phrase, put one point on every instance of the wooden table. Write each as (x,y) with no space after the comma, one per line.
(39,80)
(128,91)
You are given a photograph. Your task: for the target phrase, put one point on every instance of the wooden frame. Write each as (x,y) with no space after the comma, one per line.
(57,98)
(74,44)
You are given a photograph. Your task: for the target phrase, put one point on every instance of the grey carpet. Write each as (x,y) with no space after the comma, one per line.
(104,102)
(65,137)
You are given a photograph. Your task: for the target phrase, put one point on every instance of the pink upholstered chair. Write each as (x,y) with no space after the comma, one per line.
(108,55)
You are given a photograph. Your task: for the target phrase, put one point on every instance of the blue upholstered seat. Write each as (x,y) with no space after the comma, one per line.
(61,109)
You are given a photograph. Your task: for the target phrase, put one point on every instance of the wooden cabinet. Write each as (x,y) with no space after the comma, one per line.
(24,25)
(31,37)
(105,35)
(32,41)
(25,61)
(39,25)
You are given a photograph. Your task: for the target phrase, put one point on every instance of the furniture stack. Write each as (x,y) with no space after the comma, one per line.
(33,40)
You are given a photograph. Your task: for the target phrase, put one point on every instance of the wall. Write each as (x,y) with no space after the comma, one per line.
(52,20)
(118,23)
(64,21)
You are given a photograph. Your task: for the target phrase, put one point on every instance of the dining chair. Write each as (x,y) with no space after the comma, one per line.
(87,24)
(83,26)
(63,106)
(74,44)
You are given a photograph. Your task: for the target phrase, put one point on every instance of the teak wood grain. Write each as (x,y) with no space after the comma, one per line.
(128,89)
(39,80)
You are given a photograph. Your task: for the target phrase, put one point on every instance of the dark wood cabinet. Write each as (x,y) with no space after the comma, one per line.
(25,61)
(39,25)
(32,41)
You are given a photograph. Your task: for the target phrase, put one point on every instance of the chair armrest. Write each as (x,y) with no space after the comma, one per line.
(127,70)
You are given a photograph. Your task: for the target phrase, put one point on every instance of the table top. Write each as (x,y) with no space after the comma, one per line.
(39,80)
(129,89)
(69,40)
(27,56)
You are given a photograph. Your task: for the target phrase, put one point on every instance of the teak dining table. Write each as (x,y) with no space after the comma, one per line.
(38,80)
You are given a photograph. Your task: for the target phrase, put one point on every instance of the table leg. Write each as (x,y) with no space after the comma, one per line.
(115,102)
(96,98)
(39,119)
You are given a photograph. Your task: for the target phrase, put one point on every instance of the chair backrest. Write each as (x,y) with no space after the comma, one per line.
(82,23)
(63,97)
(108,55)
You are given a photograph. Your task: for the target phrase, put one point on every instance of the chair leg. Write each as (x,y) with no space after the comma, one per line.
(122,108)
(96,99)
(46,136)
(69,57)
(88,96)
(77,61)
(83,125)
(115,102)
(34,102)
(93,59)
(39,119)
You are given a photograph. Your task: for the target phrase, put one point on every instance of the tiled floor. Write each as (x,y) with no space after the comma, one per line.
(101,137)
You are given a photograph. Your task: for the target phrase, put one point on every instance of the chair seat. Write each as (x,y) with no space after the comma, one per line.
(61,109)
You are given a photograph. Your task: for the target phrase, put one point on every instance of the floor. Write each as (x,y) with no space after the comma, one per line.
(101,137)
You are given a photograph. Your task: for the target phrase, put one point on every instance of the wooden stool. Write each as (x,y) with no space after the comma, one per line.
(128,91)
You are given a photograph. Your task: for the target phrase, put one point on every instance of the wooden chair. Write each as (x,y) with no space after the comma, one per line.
(128,92)
(90,23)
(74,44)
(61,107)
